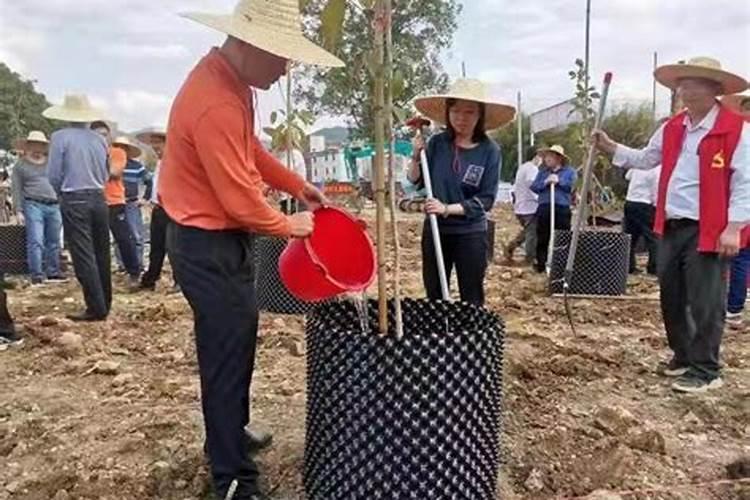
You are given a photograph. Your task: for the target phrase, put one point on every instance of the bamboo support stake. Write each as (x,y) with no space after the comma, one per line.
(378,28)
(392,169)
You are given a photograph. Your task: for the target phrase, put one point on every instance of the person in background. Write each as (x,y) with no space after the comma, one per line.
(114,191)
(296,163)
(556,170)
(36,205)
(78,171)
(8,335)
(5,203)
(157,139)
(465,169)
(702,213)
(525,205)
(640,207)
(211,186)
(739,269)
(135,176)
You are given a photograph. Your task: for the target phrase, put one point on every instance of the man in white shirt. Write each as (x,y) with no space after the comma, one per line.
(524,206)
(702,212)
(297,159)
(640,207)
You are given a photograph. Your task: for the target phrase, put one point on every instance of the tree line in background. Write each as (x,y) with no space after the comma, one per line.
(21,108)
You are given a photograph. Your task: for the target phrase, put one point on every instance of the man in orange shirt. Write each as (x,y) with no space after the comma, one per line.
(210,185)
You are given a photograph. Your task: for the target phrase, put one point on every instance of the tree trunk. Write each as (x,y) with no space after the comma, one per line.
(379,27)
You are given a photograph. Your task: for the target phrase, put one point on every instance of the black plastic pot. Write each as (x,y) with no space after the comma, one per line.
(13,250)
(601,265)
(417,418)
(272,295)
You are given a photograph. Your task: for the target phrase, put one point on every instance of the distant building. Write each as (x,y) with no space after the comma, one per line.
(328,165)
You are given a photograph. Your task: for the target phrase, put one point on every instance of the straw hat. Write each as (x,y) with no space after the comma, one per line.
(147,135)
(496,113)
(735,102)
(701,67)
(34,136)
(123,142)
(75,108)
(272,25)
(555,149)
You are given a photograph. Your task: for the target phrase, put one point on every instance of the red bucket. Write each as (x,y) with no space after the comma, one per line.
(338,257)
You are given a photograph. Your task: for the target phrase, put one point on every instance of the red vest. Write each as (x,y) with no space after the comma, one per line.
(715,154)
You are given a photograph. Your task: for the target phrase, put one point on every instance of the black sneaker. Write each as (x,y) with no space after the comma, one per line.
(85,317)
(57,279)
(35,282)
(690,383)
(671,369)
(10,340)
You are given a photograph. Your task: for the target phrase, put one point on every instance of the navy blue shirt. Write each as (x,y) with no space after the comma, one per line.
(466,176)
(563,190)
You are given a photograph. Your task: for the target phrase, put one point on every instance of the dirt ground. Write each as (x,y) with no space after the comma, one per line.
(111,411)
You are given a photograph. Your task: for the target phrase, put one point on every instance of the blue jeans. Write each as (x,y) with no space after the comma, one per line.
(740,270)
(43,226)
(135,221)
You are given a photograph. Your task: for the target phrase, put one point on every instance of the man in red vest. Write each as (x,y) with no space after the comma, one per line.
(702,212)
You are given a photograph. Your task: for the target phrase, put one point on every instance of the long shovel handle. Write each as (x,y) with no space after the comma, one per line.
(435,230)
(581,216)
(551,245)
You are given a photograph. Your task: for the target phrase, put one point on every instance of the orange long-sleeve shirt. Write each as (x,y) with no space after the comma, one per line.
(114,189)
(214,166)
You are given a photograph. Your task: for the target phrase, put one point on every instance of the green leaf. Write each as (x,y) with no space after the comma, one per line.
(274,116)
(595,95)
(332,23)
(307,117)
(397,84)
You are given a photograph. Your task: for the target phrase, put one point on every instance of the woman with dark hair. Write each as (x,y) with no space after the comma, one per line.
(465,168)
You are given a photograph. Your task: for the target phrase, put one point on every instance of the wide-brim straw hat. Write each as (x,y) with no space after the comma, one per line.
(706,68)
(496,113)
(76,109)
(35,136)
(557,148)
(147,135)
(273,26)
(735,102)
(124,142)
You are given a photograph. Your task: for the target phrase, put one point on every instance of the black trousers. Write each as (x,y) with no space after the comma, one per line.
(639,222)
(467,253)
(215,271)
(158,233)
(86,225)
(693,293)
(543,222)
(124,238)
(7,328)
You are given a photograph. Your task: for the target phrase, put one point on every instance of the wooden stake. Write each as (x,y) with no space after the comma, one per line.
(392,169)
(379,27)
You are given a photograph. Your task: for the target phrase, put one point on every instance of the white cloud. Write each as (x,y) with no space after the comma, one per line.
(143,51)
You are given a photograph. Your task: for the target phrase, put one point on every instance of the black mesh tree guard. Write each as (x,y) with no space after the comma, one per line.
(601,265)
(273,296)
(13,250)
(416,418)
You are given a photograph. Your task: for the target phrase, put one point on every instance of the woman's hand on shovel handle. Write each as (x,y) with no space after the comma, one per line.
(313,197)
(302,224)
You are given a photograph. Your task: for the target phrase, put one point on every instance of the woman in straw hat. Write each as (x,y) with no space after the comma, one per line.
(211,186)
(556,170)
(702,212)
(465,168)
(78,171)
(36,205)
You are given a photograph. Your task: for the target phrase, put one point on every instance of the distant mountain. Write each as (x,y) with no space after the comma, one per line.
(333,135)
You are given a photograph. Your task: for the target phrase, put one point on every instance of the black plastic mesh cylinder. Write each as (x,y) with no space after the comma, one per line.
(600,267)
(416,418)
(13,250)
(272,295)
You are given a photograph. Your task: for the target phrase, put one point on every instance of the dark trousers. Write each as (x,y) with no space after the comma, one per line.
(467,253)
(86,225)
(526,237)
(543,222)
(124,238)
(7,328)
(693,296)
(158,231)
(215,271)
(738,282)
(639,222)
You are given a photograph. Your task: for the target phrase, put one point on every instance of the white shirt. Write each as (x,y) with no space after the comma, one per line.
(298,164)
(643,185)
(155,184)
(526,199)
(683,189)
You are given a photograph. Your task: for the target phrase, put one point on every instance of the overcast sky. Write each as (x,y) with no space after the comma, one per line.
(130,56)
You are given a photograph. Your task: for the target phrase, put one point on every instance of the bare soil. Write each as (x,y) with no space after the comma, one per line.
(115,414)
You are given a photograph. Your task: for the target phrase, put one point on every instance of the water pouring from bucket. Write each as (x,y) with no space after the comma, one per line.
(337,258)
